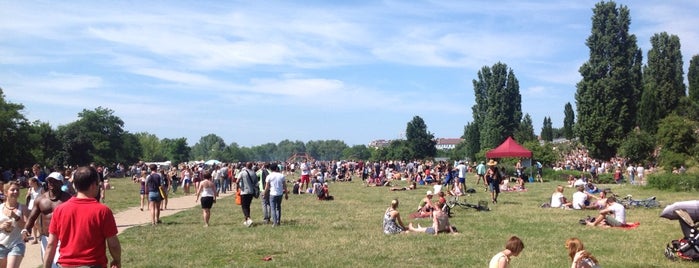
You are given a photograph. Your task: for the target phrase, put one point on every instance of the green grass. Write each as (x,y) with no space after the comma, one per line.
(347,232)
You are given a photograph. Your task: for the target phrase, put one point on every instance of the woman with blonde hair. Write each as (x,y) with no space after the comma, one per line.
(392,224)
(558,200)
(580,257)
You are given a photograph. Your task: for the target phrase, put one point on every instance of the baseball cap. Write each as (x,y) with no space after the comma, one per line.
(56,176)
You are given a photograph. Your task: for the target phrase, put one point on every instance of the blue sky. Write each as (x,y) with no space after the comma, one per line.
(254,72)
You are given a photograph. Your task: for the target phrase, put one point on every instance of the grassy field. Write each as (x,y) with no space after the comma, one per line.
(347,232)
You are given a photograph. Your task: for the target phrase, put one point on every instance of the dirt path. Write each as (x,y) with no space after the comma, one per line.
(125,219)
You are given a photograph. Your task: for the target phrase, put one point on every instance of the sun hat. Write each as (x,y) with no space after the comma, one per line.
(429,193)
(492,162)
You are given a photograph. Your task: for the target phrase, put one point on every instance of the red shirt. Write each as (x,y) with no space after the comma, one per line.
(82,226)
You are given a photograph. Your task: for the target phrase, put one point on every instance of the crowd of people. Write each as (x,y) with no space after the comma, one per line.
(58,206)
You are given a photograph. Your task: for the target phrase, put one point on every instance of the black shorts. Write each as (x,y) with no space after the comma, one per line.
(207,202)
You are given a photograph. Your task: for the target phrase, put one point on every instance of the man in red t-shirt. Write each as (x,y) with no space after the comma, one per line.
(82,225)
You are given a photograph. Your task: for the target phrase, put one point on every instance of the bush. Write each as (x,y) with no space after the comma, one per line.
(670,159)
(674,182)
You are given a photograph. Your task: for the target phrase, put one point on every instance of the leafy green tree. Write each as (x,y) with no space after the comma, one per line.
(547,130)
(14,132)
(399,149)
(638,147)
(525,132)
(264,152)
(151,149)
(663,81)
(471,141)
(97,136)
(44,143)
(676,134)
(542,153)
(498,108)
(358,152)
(611,78)
(568,122)
(177,150)
(209,147)
(421,143)
(287,148)
(693,78)
(131,152)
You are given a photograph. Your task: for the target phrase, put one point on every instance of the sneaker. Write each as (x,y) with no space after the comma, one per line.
(248,223)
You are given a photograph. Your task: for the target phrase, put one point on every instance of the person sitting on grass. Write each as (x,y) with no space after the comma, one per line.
(440,224)
(392,223)
(426,204)
(601,202)
(558,200)
(580,257)
(612,216)
(581,199)
(513,248)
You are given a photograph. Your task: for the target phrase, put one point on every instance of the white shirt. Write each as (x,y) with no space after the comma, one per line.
(556,200)
(276,183)
(619,212)
(462,170)
(304,169)
(579,199)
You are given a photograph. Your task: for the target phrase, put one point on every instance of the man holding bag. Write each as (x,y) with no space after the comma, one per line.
(247,183)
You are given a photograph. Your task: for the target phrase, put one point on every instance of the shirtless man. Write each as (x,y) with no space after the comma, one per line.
(43,209)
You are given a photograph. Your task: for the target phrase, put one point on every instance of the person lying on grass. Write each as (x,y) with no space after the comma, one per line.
(440,224)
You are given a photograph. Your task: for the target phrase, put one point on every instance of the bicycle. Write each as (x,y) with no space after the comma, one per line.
(629,202)
(453,201)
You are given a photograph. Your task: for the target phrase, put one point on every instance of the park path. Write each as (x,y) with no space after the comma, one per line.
(125,219)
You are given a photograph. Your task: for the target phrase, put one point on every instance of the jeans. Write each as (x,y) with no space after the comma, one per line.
(218,186)
(265,207)
(276,203)
(226,184)
(246,200)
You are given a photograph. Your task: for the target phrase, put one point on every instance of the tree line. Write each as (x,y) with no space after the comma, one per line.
(624,108)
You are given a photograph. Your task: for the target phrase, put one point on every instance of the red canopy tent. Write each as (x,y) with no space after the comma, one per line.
(509,148)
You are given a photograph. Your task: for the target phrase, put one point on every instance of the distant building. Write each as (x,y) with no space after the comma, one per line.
(447,143)
(376,144)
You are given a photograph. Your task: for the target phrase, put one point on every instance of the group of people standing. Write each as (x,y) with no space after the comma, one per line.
(61,212)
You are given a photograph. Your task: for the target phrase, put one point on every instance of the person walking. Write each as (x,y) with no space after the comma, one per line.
(247,181)
(83,226)
(207,191)
(262,174)
(44,207)
(275,187)
(153,184)
(12,219)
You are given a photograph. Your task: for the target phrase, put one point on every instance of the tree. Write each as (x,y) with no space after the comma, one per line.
(97,136)
(607,94)
(177,150)
(44,143)
(151,149)
(498,108)
(209,147)
(568,122)
(676,134)
(421,144)
(547,130)
(358,152)
(14,132)
(693,78)
(637,147)
(525,132)
(663,81)
(471,141)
